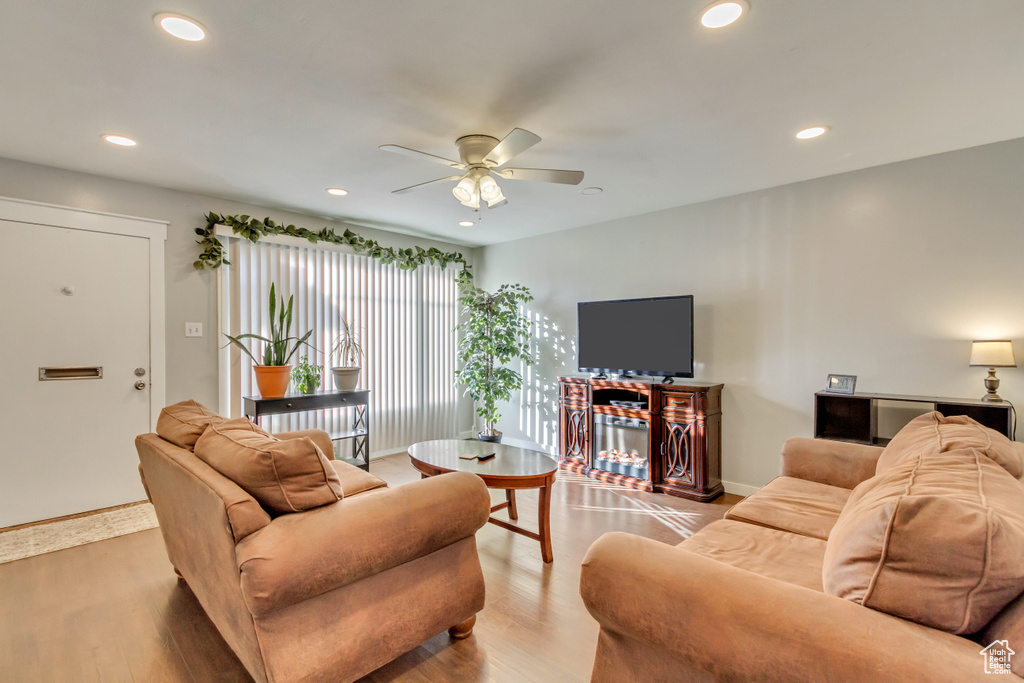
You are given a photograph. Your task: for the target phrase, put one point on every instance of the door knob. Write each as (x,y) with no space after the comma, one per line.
(140,385)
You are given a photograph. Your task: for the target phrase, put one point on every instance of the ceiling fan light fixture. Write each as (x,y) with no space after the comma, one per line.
(480,158)
(489,190)
(464,190)
(468,192)
(721,14)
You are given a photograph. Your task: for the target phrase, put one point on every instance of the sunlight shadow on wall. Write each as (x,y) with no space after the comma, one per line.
(554,354)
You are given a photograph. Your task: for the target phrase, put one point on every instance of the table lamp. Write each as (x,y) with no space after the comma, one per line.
(992,354)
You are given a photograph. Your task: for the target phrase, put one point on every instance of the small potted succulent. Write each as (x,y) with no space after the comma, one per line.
(273,372)
(306,376)
(348,351)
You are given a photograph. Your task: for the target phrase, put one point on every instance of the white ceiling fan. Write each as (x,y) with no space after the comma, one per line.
(483,157)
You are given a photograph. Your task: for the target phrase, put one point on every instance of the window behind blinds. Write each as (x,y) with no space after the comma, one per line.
(404,318)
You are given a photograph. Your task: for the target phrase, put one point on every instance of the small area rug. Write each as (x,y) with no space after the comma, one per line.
(29,541)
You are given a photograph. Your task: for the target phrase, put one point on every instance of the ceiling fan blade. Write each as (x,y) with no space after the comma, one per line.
(429,182)
(545,175)
(516,142)
(416,154)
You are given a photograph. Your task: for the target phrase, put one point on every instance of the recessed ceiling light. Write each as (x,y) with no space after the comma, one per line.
(591,190)
(337,191)
(180,26)
(724,13)
(467,224)
(808,133)
(119,140)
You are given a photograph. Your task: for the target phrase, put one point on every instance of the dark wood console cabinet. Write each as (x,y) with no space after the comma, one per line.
(854,417)
(676,427)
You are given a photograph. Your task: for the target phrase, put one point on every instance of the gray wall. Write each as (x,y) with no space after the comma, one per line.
(886,273)
(191,295)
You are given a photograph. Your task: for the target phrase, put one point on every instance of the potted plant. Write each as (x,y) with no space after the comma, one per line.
(494,333)
(306,376)
(349,351)
(273,373)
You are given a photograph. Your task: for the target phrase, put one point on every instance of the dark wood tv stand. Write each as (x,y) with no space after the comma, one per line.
(683,432)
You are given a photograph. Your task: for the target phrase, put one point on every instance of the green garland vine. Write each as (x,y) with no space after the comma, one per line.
(252,229)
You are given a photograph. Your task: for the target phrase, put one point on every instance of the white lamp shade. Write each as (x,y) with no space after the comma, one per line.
(467,192)
(489,189)
(992,354)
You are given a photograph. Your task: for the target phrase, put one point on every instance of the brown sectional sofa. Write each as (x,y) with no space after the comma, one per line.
(803,581)
(328,593)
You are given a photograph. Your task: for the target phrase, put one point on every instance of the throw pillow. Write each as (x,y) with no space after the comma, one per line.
(935,539)
(183,423)
(283,475)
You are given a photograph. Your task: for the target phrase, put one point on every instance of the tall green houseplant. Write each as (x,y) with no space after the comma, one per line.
(494,333)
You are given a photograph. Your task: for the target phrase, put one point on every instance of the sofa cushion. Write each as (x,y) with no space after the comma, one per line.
(183,423)
(355,480)
(935,433)
(776,554)
(789,504)
(936,538)
(284,476)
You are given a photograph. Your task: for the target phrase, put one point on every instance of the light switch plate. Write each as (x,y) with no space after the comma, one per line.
(193,329)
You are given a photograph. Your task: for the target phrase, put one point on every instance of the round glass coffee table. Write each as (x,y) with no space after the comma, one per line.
(511,468)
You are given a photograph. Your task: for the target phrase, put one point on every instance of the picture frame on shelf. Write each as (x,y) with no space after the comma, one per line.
(841,384)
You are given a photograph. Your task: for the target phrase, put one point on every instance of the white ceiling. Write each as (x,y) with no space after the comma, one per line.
(285,99)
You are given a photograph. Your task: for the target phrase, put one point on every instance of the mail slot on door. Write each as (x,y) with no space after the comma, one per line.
(78,372)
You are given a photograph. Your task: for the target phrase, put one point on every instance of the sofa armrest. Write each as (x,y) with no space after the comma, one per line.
(836,463)
(299,556)
(730,624)
(321,438)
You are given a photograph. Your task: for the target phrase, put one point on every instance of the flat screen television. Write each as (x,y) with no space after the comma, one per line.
(652,336)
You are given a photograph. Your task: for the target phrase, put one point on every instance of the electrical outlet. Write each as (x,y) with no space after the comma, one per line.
(193,329)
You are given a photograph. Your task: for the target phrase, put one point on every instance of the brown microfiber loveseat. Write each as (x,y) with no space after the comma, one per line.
(328,593)
(858,564)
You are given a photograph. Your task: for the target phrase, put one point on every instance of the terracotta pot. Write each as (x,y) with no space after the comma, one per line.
(272,380)
(345,378)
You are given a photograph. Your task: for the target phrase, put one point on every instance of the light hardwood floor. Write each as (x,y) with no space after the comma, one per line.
(113,611)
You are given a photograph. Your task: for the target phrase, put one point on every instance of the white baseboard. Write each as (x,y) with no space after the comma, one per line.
(739,489)
(383,454)
(468,434)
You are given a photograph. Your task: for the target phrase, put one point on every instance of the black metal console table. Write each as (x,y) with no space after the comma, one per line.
(256,407)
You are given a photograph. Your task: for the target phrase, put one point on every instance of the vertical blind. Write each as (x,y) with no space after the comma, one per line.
(404,320)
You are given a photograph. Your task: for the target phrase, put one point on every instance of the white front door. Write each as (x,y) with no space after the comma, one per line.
(77,301)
